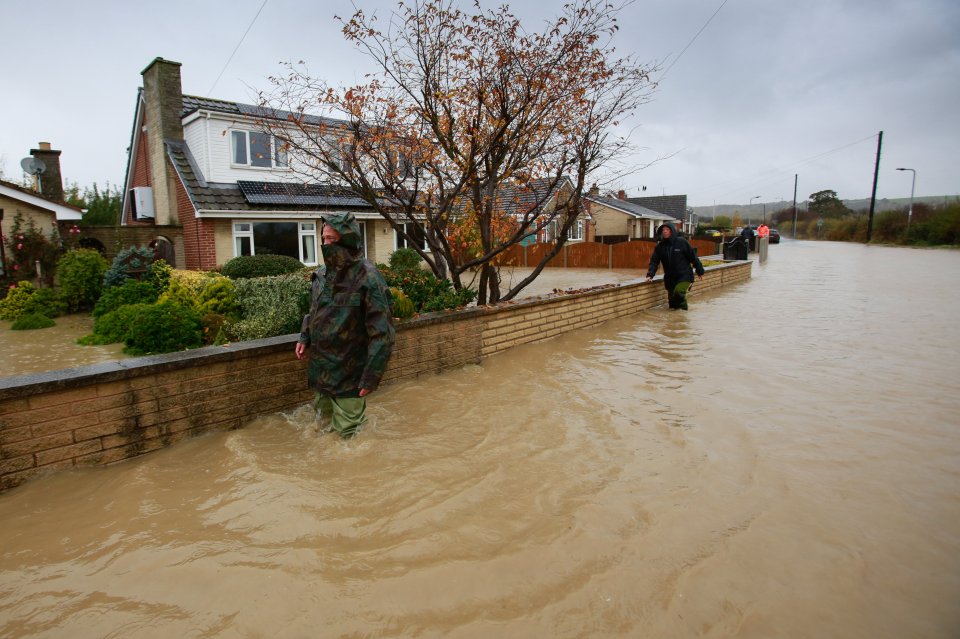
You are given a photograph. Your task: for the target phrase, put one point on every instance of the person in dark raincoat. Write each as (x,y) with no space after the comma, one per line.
(348,334)
(679,261)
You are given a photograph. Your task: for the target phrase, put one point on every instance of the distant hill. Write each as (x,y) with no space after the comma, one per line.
(756,211)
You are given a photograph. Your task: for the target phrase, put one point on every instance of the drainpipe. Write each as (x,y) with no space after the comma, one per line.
(3,256)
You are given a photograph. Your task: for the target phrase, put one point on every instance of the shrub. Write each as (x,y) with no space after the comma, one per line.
(425,290)
(159,275)
(249,266)
(31,321)
(81,274)
(130,263)
(404,259)
(13,305)
(449,299)
(402,306)
(130,292)
(213,331)
(113,326)
(164,327)
(45,301)
(219,296)
(269,306)
(205,292)
(26,245)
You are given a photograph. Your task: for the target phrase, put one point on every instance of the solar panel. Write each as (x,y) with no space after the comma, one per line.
(296,194)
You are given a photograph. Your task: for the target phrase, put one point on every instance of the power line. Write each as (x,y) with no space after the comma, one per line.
(692,41)
(237,48)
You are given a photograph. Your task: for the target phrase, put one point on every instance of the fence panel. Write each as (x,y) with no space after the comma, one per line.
(536,252)
(513,256)
(706,247)
(634,254)
(587,255)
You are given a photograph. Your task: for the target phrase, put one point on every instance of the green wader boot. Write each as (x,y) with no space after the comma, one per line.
(347,414)
(678,296)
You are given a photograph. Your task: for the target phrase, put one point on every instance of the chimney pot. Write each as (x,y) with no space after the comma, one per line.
(43,146)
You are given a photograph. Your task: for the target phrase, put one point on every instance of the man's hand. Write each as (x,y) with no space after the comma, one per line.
(364,391)
(699,277)
(649,278)
(301,350)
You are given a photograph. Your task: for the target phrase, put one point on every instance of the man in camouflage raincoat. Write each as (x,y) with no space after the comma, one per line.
(348,334)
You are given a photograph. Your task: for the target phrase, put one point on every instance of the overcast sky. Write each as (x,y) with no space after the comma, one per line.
(768,89)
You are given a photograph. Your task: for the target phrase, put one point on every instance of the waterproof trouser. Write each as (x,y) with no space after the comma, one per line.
(346,414)
(678,296)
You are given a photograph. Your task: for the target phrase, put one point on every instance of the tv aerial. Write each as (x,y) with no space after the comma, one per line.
(35,167)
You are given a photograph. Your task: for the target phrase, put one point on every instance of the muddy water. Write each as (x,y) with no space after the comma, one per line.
(781,461)
(47,349)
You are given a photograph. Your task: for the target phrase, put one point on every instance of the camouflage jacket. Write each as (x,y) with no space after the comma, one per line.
(349,329)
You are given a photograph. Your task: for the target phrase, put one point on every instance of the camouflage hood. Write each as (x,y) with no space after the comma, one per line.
(347,226)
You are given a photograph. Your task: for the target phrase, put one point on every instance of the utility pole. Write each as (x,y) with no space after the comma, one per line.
(873,196)
(795,205)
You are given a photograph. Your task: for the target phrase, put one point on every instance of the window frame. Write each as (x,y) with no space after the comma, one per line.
(277,151)
(304,233)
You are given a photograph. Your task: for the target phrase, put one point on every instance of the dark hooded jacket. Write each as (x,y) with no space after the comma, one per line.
(349,329)
(678,257)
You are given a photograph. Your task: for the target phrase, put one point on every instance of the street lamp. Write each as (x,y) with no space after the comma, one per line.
(913,183)
(750,206)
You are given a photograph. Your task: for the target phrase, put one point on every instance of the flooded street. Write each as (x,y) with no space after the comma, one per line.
(783,460)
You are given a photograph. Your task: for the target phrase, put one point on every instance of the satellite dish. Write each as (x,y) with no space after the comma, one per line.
(33,166)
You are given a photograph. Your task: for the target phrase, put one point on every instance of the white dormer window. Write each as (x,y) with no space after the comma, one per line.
(254,148)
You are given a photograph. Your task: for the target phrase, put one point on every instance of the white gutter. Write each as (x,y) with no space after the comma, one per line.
(269,215)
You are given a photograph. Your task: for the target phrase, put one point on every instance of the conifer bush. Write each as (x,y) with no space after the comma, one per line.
(81,275)
(128,263)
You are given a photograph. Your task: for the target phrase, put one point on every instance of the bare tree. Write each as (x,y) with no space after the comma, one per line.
(471,126)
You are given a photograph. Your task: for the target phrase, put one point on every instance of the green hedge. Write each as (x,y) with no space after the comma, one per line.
(250,266)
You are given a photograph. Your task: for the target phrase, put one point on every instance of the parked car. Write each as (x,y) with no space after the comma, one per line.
(774,236)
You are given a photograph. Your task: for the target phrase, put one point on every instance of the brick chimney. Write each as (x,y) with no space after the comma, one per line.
(594,190)
(163,102)
(51,182)
(621,194)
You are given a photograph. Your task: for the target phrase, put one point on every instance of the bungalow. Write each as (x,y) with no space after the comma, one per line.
(620,220)
(43,206)
(673,205)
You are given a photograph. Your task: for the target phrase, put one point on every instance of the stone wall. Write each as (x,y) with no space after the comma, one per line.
(105,413)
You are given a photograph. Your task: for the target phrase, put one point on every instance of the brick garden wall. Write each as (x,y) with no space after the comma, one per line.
(105,413)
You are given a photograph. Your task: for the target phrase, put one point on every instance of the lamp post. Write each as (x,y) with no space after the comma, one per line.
(913,183)
(750,206)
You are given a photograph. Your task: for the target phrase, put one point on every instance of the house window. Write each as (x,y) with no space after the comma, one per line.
(253,148)
(308,243)
(294,239)
(415,231)
(576,231)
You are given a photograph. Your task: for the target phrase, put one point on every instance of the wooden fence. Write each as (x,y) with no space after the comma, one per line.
(623,255)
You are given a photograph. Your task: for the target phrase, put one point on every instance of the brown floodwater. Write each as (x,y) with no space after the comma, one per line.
(783,460)
(54,348)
